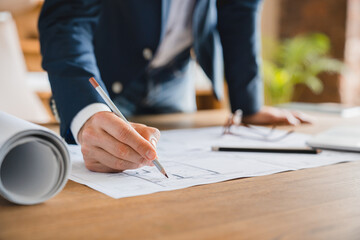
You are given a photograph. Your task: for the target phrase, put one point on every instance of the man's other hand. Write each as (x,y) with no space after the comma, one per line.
(276,116)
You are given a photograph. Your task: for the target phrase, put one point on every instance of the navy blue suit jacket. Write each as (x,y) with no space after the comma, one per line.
(106,38)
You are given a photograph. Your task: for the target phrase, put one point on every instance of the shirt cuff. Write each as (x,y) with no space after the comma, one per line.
(86,113)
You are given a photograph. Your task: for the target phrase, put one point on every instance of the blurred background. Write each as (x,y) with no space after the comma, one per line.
(311,54)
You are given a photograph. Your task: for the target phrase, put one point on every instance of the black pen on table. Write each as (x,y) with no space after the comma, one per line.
(306,150)
(113,107)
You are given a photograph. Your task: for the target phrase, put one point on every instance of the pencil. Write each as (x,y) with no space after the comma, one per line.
(306,150)
(113,108)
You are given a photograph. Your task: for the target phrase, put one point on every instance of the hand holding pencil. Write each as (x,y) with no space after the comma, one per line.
(111,144)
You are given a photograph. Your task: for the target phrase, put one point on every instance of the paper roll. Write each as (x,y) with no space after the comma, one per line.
(34,161)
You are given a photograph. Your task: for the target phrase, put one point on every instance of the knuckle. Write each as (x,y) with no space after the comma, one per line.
(88,134)
(143,148)
(85,150)
(120,165)
(139,161)
(95,118)
(123,151)
(124,132)
(99,117)
(143,161)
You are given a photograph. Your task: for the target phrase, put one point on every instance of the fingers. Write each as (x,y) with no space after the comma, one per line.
(294,118)
(289,118)
(271,115)
(124,133)
(116,148)
(109,144)
(304,118)
(149,133)
(96,166)
(109,163)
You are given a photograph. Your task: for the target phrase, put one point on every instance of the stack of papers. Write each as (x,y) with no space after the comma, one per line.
(187,157)
(332,108)
(343,138)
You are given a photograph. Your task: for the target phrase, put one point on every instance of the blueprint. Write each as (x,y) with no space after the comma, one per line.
(188,160)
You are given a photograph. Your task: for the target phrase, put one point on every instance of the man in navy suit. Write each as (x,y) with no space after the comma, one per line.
(139,50)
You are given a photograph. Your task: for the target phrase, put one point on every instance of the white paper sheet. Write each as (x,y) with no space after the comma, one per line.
(187,157)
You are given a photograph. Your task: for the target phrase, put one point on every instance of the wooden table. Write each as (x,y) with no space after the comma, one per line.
(317,203)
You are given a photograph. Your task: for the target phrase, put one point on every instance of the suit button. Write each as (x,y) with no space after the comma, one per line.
(147,53)
(117,87)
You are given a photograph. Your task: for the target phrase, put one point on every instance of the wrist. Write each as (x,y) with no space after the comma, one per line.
(83,116)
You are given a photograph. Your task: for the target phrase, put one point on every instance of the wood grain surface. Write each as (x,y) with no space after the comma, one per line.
(317,203)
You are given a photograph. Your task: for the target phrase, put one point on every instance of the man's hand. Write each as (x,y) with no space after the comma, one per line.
(109,144)
(271,115)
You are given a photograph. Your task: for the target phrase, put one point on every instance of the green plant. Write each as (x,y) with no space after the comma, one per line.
(296,61)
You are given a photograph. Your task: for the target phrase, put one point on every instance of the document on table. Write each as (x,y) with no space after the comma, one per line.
(187,157)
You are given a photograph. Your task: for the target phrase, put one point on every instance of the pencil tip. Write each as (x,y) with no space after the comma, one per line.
(166,175)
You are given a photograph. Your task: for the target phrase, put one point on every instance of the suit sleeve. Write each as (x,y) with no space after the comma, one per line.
(66,36)
(239,34)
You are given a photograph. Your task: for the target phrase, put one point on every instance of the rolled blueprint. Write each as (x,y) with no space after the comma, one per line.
(34,161)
